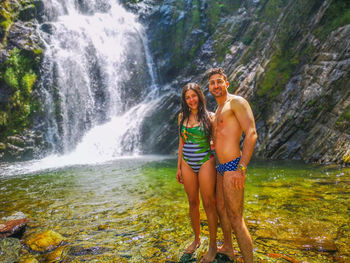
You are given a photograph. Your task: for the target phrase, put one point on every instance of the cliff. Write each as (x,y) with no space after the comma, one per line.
(289,59)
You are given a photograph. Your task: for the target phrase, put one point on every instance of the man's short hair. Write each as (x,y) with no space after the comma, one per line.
(213,71)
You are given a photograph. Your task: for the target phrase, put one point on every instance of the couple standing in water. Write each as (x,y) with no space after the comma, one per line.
(222,190)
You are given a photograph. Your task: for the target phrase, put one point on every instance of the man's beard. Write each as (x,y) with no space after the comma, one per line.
(218,94)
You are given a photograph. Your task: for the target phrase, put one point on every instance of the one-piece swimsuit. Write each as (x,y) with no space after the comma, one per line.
(196,146)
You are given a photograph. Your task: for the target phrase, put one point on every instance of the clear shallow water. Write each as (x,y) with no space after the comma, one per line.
(133,210)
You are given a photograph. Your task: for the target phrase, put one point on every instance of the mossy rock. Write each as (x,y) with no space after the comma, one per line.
(45,241)
(29,260)
(9,250)
(27,13)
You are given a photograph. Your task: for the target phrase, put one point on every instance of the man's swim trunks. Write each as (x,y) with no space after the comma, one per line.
(229,166)
(196,147)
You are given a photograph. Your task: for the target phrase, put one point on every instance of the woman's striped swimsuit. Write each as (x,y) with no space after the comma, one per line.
(196,147)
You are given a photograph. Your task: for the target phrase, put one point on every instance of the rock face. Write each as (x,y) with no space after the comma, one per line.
(289,59)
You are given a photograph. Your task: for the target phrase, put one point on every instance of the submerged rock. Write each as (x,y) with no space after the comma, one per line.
(9,250)
(12,227)
(45,241)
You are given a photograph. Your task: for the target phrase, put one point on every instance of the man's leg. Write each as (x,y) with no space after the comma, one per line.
(234,199)
(191,186)
(207,181)
(227,247)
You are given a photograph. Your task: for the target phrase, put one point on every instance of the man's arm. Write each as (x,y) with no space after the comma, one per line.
(244,114)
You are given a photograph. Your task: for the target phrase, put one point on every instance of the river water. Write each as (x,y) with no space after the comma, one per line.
(132,209)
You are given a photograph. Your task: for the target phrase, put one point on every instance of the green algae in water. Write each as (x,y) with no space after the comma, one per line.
(135,211)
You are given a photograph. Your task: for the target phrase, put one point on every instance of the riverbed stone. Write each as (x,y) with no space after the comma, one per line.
(29,260)
(9,250)
(14,216)
(12,227)
(45,241)
(54,255)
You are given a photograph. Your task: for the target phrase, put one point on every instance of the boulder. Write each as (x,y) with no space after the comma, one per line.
(27,13)
(12,227)
(45,241)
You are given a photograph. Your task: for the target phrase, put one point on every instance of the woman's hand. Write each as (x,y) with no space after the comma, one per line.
(179,176)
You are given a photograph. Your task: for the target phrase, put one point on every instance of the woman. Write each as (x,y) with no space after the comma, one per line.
(196,164)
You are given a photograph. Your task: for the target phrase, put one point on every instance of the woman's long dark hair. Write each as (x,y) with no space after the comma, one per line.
(202,114)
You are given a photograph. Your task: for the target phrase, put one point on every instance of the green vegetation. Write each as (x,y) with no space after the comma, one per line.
(278,72)
(337,15)
(6,19)
(272,9)
(343,121)
(19,74)
(286,59)
(217,10)
(249,37)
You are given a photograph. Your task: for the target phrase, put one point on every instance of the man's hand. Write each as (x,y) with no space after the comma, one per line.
(179,176)
(236,179)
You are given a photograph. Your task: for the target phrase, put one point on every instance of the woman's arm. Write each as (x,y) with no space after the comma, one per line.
(178,172)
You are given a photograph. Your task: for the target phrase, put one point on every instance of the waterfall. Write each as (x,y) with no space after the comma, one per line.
(98,80)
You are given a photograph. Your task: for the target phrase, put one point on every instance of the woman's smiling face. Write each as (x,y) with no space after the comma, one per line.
(192,99)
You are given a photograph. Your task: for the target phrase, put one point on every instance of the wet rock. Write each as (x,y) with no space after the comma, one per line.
(12,227)
(15,140)
(47,28)
(29,260)
(27,13)
(14,216)
(9,250)
(14,151)
(102,227)
(54,255)
(45,241)
(80,251)
(321,245)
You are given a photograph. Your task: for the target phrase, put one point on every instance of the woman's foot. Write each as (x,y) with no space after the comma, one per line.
(226,251)
(192,248)
(210,256)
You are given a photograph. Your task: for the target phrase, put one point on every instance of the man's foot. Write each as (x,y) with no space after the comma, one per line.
(226,251)
(209,257)
(192,248)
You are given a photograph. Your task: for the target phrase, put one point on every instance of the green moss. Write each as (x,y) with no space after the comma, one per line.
(38,51)
(3,118)
(343,122)
(28,81)
(234,84)
(278,72)
(20,75)
(337,15)
(249,37)
(272,9)
(11,77)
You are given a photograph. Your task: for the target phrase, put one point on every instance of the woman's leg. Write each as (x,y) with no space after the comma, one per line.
(207,181)
(191,186)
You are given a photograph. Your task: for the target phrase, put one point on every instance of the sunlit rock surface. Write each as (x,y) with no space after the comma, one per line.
(12,227)
(44,241)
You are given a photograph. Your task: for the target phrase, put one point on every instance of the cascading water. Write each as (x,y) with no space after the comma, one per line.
(98,79)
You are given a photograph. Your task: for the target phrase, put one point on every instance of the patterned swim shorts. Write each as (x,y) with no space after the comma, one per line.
(229,166)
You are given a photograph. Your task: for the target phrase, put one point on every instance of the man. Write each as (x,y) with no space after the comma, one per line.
(232,117)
